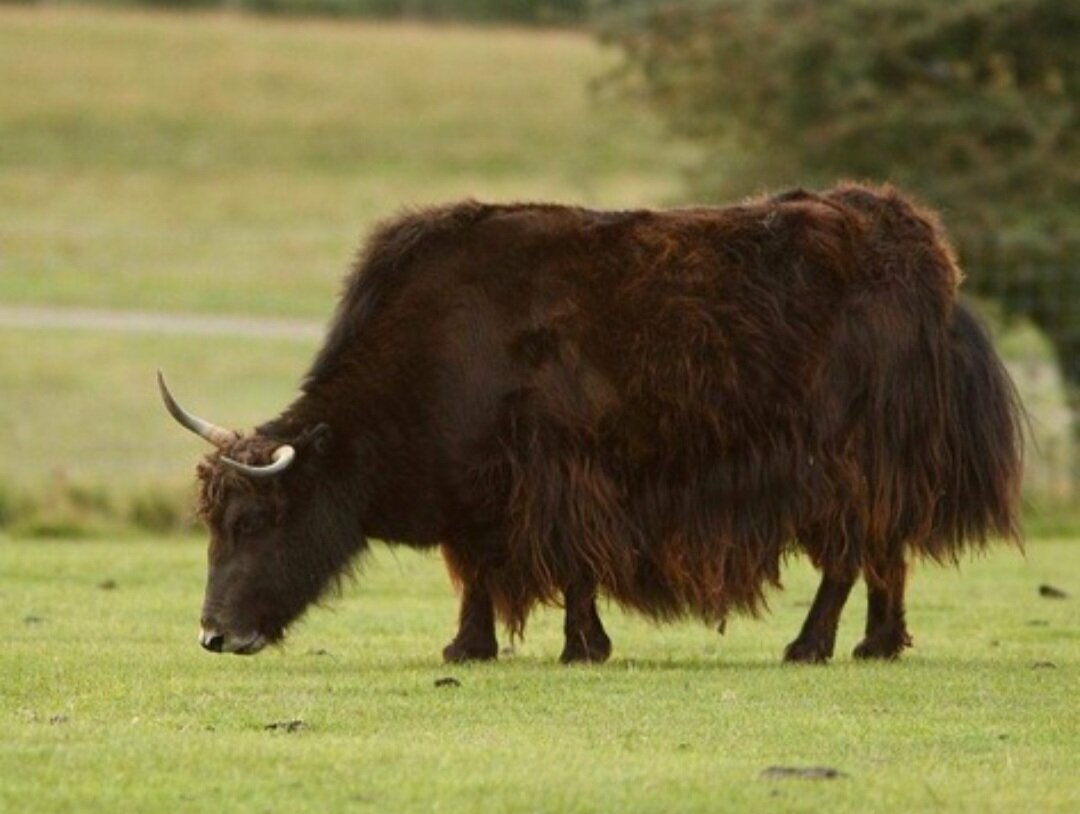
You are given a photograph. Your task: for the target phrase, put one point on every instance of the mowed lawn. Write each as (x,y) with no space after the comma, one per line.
(109,705)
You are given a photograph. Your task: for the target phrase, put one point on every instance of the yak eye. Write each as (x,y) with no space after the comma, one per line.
(249,524)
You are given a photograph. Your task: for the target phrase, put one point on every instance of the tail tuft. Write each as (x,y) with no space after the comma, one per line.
(984,445)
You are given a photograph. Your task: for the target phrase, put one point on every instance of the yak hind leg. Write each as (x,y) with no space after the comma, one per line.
(886,629)
(475,639)
(817,639)
(586,639)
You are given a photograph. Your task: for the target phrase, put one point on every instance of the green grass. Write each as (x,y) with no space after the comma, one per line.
(84,406)
(227,163)
(107,704)
(88,446)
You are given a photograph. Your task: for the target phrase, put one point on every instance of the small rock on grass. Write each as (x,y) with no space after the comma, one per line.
(1050,592)
(294,725)
(802,773)
(448,681)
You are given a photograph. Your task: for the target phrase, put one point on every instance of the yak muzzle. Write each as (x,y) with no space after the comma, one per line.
(212,640)
(220,643)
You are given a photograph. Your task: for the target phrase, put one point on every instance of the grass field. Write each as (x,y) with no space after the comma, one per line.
(188,161)
(108,704)
(64,381)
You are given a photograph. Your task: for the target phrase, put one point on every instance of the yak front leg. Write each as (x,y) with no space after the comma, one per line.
(586,639)
(475,639)
(886,629)
(817,639)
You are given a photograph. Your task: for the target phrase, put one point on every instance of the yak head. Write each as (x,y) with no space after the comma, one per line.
(277,537)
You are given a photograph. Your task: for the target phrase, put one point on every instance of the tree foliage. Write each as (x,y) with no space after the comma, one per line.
(974,105)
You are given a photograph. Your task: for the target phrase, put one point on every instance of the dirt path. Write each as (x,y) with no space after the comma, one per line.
(149,322)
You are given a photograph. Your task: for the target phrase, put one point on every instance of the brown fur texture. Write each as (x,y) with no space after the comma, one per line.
(656,406)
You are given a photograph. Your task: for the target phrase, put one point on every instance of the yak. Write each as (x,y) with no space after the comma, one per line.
(654,406)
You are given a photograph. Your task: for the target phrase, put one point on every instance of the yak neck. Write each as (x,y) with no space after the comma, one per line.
(360,474)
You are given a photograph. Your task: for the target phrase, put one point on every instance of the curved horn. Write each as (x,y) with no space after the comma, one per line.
(282,458)
(218,436)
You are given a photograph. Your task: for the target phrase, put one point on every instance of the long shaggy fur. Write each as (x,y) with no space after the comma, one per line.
(666,403)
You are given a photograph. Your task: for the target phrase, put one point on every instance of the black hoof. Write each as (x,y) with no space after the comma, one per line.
(580,650)
(457,651)
(808,651)
(886,645)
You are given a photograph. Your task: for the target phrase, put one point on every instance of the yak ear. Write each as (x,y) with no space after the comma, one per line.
(317,438)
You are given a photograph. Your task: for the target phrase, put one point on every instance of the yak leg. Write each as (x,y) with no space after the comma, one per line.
(586,639)
(886,630)
(475,639)
(816,640)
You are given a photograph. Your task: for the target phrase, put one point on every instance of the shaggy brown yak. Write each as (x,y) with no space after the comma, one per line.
(658,406)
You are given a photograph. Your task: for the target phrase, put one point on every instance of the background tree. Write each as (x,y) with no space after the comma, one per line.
(974,105)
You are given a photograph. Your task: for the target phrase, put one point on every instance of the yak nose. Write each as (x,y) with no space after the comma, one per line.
(212,640)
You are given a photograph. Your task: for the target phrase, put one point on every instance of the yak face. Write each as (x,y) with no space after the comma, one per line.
(283,513)
(244,607)
(263,571)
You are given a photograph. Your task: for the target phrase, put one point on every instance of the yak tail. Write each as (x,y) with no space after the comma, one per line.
(983,442)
